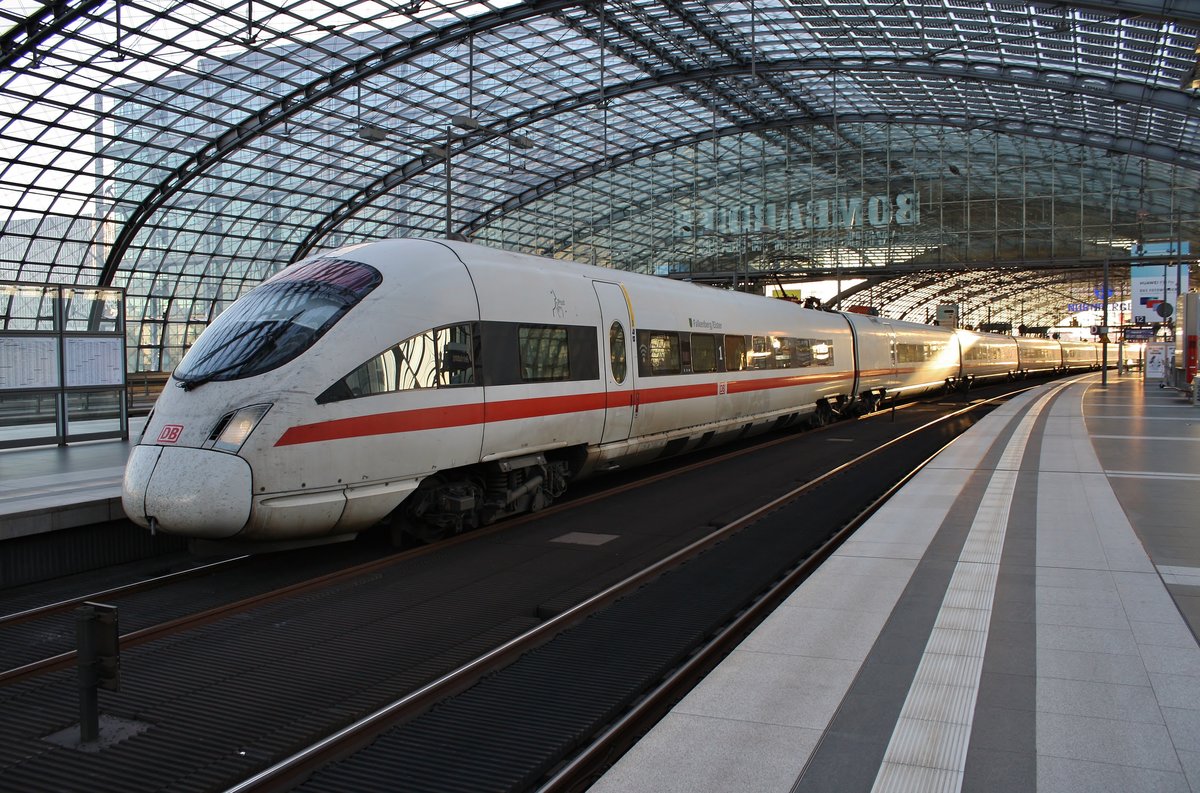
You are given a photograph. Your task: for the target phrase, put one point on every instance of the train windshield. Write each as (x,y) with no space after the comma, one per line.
(277,321)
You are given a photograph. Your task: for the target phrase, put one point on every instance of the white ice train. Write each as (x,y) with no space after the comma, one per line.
(443,385)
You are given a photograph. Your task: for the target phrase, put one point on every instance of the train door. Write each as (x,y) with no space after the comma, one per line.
(897,377)
(616,330)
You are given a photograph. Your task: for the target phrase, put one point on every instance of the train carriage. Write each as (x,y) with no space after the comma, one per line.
(1038,356)
(1080,355)
(986,357)
(901,359)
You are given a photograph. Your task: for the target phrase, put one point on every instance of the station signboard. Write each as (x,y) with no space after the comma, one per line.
(1139,334)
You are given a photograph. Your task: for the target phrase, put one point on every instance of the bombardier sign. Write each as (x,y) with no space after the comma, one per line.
(862,212)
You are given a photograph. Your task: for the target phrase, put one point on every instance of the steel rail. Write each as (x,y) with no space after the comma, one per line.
(124,589)
(617,737)
(60,661)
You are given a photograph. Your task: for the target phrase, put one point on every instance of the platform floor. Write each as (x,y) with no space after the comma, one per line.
(48,488)
(1021,616)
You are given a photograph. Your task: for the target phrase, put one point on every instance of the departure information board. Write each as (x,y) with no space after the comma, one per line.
(94,361)
(29,362)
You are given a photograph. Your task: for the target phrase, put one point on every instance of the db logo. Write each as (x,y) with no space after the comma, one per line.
(170,433)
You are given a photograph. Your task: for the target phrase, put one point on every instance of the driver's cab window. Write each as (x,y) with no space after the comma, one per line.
(456,363)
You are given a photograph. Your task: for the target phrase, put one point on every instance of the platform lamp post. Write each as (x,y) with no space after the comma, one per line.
(1104,330)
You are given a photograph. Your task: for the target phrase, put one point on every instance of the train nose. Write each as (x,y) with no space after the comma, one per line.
(195,492)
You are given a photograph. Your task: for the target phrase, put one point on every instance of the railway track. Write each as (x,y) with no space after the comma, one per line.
(40,639)
(513,718)
(446,607)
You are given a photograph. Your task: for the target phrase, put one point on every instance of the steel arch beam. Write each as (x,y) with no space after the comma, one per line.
(1109,90)
(49,21)
(1115,144)
(299,100)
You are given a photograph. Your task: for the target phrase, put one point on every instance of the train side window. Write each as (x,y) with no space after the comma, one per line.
(907,352)
(781,348)
(735,353)
(616,351)
(704,353)
(658,353)
(802,353)
(544,353)
(762,354)
(413,364)
(376,376)
(822,352)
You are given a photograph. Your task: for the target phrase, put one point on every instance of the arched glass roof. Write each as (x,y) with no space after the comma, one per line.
(185,151)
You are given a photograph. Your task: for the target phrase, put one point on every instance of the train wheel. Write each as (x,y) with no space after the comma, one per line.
(440,507)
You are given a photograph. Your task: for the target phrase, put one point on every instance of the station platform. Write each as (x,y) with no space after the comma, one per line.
(1021,616)
(50,488)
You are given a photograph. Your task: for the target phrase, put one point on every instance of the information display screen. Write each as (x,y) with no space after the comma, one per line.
(29,362)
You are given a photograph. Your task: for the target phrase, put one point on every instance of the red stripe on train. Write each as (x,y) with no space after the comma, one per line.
(514,409)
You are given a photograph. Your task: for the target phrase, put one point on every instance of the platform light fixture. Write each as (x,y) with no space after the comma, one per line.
(466,122)
(372,133)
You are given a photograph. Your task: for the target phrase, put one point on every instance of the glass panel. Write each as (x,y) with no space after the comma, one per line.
(417,362)
(802,352)
(93,310)
(735,353)
(26,307)
(28,416)
(543,353)
(413,364)
(704,353)
(761,353)
(822,352)
(276,322)
(658,353)
(376,376)
(91,412)
(781,346)
(456,366)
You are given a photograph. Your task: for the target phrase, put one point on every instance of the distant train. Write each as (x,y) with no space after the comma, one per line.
(443,385)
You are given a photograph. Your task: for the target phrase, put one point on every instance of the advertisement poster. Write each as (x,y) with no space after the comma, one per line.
(1154,284)
(1156,360)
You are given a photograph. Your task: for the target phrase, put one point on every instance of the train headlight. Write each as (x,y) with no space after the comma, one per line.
(234,428)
